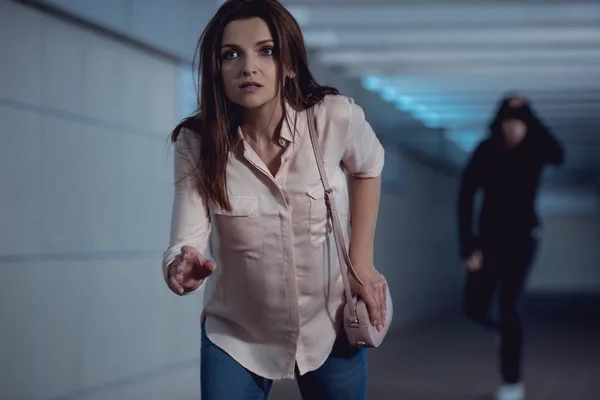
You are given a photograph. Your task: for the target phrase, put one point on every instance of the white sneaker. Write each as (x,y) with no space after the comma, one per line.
(514,391)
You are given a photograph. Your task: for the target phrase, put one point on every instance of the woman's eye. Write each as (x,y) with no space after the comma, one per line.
(267,51)
(230,55)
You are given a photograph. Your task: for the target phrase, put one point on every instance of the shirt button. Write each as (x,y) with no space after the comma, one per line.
(287,159)
(281,142)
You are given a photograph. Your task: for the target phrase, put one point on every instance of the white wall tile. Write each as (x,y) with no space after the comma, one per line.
(66,174)
(569,255)
(64,71)
(103,190)
(137,88)
(115,14)
(187,90)
(77,325)
(181,22)
(21,50)
(104,78)
(133,323)
(163,110)
(41,330)
(20,196)
(415,243)
(150,92)
(173,26)
(89,187)
(145,198)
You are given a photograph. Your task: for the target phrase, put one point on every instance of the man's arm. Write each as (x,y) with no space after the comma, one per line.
(470,182)
(549,149)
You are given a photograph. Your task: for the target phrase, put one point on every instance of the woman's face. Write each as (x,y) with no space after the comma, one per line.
(249,66)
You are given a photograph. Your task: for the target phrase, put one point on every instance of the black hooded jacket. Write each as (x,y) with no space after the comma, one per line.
(509,179)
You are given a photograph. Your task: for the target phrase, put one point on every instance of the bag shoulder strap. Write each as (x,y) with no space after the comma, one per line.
(343,255)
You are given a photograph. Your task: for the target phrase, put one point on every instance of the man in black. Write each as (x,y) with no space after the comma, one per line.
(507,167)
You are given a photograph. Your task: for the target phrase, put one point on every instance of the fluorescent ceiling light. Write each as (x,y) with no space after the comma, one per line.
(459,37)
(453,116)
(467,141)
(321,39)
(424,56)
(388,94)
(438,86)
(492,70)
(402,102)
(482,13)
(371,83)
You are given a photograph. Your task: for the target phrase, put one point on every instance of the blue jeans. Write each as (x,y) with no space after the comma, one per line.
(343,376)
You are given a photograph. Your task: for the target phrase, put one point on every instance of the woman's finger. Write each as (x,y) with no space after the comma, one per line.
(383,300)
(375,308)
(379,325)
(372,309)
(174,267)
(175,286)
(179,273)
(184,267)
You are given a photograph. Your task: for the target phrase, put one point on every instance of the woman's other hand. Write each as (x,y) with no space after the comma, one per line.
(188,270)
(373,293)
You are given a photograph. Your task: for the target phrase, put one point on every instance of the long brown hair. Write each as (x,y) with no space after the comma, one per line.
(217,117)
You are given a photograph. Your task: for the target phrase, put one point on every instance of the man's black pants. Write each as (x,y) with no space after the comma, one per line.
(506,265)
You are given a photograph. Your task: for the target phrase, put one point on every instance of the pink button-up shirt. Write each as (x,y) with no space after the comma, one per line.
(276,297)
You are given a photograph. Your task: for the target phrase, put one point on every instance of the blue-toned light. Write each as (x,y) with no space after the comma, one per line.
(402,102)
(432,121)
(400,105)
(466,146)
(466,141)
(421,112)
(372,83)
(420,109)
(388,94)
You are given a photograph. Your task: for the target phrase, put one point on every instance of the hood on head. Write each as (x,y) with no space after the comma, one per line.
(506,111)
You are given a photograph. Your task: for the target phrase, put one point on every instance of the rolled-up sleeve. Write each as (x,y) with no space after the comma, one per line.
(190,221)
(364,154)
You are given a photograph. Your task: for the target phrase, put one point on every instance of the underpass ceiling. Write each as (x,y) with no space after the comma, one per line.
(448,62)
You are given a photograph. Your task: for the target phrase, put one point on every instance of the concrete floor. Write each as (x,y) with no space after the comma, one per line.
(449,359)
(446,358)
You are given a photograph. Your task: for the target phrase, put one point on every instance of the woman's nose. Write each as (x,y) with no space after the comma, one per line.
(249,66)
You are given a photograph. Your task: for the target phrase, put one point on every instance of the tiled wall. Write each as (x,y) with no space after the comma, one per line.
(415,242)
(569,255)
(85,194)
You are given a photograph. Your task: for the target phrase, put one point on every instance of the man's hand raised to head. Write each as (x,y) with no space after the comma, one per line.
(517,102)
(475,261)
(188,270)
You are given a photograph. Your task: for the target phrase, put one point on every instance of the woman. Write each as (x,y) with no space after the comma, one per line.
(247,179)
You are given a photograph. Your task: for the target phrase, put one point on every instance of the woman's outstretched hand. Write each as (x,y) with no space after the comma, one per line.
(373,293)
(188,270)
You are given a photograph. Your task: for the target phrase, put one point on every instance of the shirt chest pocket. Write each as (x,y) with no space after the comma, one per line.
(319,223)
(240,229)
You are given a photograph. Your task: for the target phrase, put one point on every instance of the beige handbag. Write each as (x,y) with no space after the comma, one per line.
(358,327)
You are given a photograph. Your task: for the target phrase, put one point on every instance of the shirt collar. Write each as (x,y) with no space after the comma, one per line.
(290,128)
